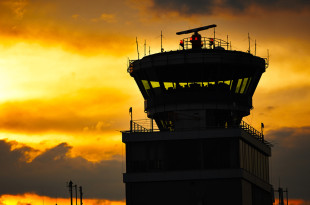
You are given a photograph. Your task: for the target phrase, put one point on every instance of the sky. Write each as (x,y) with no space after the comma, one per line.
(65,92)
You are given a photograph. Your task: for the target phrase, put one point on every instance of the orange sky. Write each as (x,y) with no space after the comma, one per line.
(65,93)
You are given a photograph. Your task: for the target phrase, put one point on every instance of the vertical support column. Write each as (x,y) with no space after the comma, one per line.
(81,196)
(70,190)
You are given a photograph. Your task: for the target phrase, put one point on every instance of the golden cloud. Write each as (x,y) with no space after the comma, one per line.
(97,108)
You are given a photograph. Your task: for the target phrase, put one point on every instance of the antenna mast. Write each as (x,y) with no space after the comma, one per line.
(144,47)
(249,43)
(137,47)
(214,36)
(227,42)
(255,46)
(81,195)
(161,41)
(70,190)
(75,186)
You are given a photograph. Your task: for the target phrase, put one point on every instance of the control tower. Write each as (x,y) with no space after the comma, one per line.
(202,153)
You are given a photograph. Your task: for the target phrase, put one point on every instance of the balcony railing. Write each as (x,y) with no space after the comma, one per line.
(147,125)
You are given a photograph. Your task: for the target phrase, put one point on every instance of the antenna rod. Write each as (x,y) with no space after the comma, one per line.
(70,190)
(249,43)
(214,36)
(161,41)
(286,196)
(227,42)
(130,112)
(255,46)
(81,195)
(144,47)
(75,186)
(137,47)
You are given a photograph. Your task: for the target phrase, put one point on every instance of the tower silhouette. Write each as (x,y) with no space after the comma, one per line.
(203,153)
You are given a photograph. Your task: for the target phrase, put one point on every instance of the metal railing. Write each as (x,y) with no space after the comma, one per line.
(147,125)
(135,127)
(206,43)
(144,125)
(251,130)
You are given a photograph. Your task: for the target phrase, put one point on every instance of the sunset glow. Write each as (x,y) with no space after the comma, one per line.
(34,199)
(65,92)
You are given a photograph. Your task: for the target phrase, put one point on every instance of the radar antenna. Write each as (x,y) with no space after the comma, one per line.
(196,29)
(196,37)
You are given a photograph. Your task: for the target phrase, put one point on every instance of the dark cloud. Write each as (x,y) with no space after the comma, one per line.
(48,173)
(206,7)
(290,160)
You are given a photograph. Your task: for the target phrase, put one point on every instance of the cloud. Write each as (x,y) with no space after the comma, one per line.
(202,7)
(98,109)
(282,107)
(18,7)
(68,24)
(109,18)
(290,160)
(48,173)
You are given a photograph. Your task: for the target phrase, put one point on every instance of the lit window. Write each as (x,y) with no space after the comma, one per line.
(168,85)
(183,85)
(238,86)
(155,84)
(146,84)
(248,84)
(227,82)
(231,84)
(244,83)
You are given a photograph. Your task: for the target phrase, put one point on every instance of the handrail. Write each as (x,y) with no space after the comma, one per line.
(207,43)
(146,125)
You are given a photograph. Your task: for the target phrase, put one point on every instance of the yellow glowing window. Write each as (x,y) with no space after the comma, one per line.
(211,83)
(248,84)
(168,85)
(244,83)
(227,82)
(146,84)
(183,84)
(238,86)
(205,83)
(155,84)
(231,84)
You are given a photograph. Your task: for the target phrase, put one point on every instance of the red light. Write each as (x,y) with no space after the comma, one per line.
(196,38)
(211,39)
(182,43)
(191,38)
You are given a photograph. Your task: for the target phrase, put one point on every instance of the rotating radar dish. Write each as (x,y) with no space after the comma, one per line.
(196,29)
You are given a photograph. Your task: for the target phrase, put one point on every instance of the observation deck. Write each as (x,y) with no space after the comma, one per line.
(178,85)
